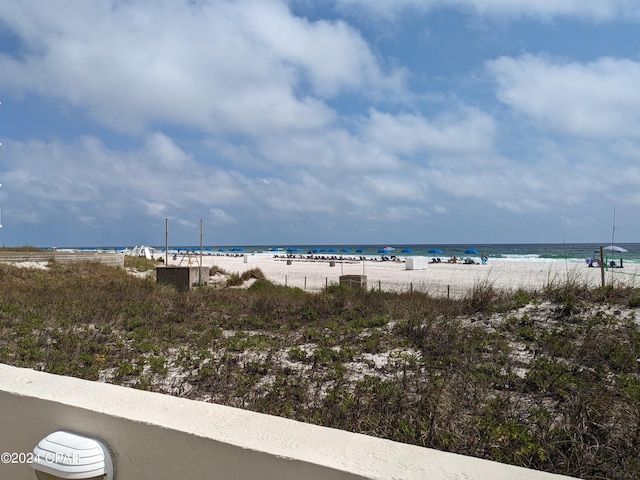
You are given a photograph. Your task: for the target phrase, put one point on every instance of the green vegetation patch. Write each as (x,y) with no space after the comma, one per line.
(548,380)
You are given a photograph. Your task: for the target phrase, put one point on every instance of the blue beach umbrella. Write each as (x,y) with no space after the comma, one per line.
(360,250)
(406,250)
(346,250)
(435,250)
(472,251)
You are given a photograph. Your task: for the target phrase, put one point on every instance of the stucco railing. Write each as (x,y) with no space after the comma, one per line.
(155,436)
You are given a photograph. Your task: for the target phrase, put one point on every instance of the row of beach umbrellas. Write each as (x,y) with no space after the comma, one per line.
(470,251)
(388,250)
(385,250)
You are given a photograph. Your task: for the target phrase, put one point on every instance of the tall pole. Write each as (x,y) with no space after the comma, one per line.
(613,230)
(602,265)
(613,233)
(166,241)
(200,268)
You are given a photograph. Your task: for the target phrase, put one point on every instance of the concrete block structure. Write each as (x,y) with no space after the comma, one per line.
(183,278)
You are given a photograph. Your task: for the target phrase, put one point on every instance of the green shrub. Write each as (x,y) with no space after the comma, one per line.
(296,354)
(634,302)
(262,286)
(234,280)
(141,264)
(254,273)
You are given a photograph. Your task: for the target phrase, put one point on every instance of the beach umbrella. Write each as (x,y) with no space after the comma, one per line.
(472,251)
(294,249)
(346,250)
(360,250)
(407,250)
(332,250)
(435,250)
(615,248)
(388,249)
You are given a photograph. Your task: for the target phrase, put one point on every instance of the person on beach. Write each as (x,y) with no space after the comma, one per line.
(484,258)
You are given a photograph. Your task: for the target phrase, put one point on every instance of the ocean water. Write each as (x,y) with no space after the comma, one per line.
(539,252)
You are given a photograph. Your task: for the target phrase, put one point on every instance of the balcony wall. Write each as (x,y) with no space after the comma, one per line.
(154,436)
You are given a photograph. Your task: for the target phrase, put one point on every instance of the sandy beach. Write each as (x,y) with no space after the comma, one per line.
(437,278)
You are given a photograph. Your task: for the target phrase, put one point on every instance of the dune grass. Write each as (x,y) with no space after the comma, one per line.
(547,380)
(24,248)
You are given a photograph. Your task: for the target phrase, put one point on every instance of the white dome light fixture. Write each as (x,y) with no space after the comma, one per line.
(64,455)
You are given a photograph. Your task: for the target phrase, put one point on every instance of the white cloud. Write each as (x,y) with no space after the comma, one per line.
(333,54)
(599,98)
(88,173)
(166,153)
(464,131)
(224,66)
(591,9)
(155,209)
(392,187)
(380,142)
(327,154)
(598,10)
(219,217)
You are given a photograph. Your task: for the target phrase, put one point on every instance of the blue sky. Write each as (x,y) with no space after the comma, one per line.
(319,122)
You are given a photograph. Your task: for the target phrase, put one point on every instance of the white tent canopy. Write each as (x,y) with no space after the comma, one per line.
(141,251)
(614,248)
